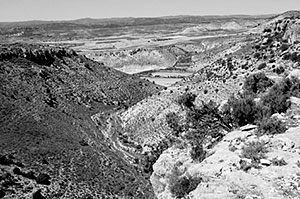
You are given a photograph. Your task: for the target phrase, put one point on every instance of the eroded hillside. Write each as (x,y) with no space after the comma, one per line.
(273,50)
(49,145)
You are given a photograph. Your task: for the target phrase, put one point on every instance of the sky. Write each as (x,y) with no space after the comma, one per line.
(23,10)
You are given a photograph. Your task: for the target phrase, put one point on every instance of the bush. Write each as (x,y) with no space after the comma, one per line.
(200,125)
(294,85)
(205,122)
(183,186)
(197,153)
(295,57)
(279,70)
(173,120)
(257,55)
(242,111)
(284,47)
(254,151)
(277,99)
(257,83)
(262,66)
(271,126)
(278,162)
(187,100)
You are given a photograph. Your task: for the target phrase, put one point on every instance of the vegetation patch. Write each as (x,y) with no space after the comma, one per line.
(257,83)
(254,151)
(271,126)
(182,186)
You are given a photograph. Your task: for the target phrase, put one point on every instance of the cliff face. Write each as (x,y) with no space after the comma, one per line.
(49,144)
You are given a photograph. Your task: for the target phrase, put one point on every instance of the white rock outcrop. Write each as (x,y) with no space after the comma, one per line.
(222,172)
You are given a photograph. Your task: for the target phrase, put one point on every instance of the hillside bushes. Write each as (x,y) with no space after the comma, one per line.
(206,123)
(257,83)
(200,124)
(271,126)
(241,111)
(173,121)
(180,187)
(187,99)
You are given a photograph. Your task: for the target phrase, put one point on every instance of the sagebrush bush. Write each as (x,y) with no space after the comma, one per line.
(295,57)
(173,122)
(187,99)
(271,126)
(284,47)
(242,111)
(204,122)
(262,66)
(198,153)
(278,162)
(277,99)
(257,83)
(181,187)
(294,84)
(254,151)
(200,124)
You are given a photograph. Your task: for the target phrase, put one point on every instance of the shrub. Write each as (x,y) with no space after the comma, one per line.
(271,126)
(286,56)
(255,151)
(256,55)
(284,47)
(197,153)
(295,57)
(172,120)
(187,100)
(278,162)
(183,186)
(204,122)
(279,70)
(294,85)
(242,111)
(277,99)
(200,125)
(262,66)
(257,83)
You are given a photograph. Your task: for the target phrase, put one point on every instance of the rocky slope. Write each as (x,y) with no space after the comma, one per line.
(66,115)
(50,147)
(274,50)
(225,172)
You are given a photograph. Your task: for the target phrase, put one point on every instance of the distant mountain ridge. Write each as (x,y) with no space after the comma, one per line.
(135,20)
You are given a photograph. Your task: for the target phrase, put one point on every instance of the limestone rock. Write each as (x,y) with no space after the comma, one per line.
(224,172)
(248,127)
(265,162)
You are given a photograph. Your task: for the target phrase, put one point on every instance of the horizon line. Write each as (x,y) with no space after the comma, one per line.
(143,17)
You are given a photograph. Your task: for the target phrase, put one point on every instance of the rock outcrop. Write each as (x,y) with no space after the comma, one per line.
(226,174)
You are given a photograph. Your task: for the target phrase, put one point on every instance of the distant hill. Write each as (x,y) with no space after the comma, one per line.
(131,21)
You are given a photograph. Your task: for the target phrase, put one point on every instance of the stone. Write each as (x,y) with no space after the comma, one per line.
(294,73)
(265,162)
(297,117)
(248,127)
